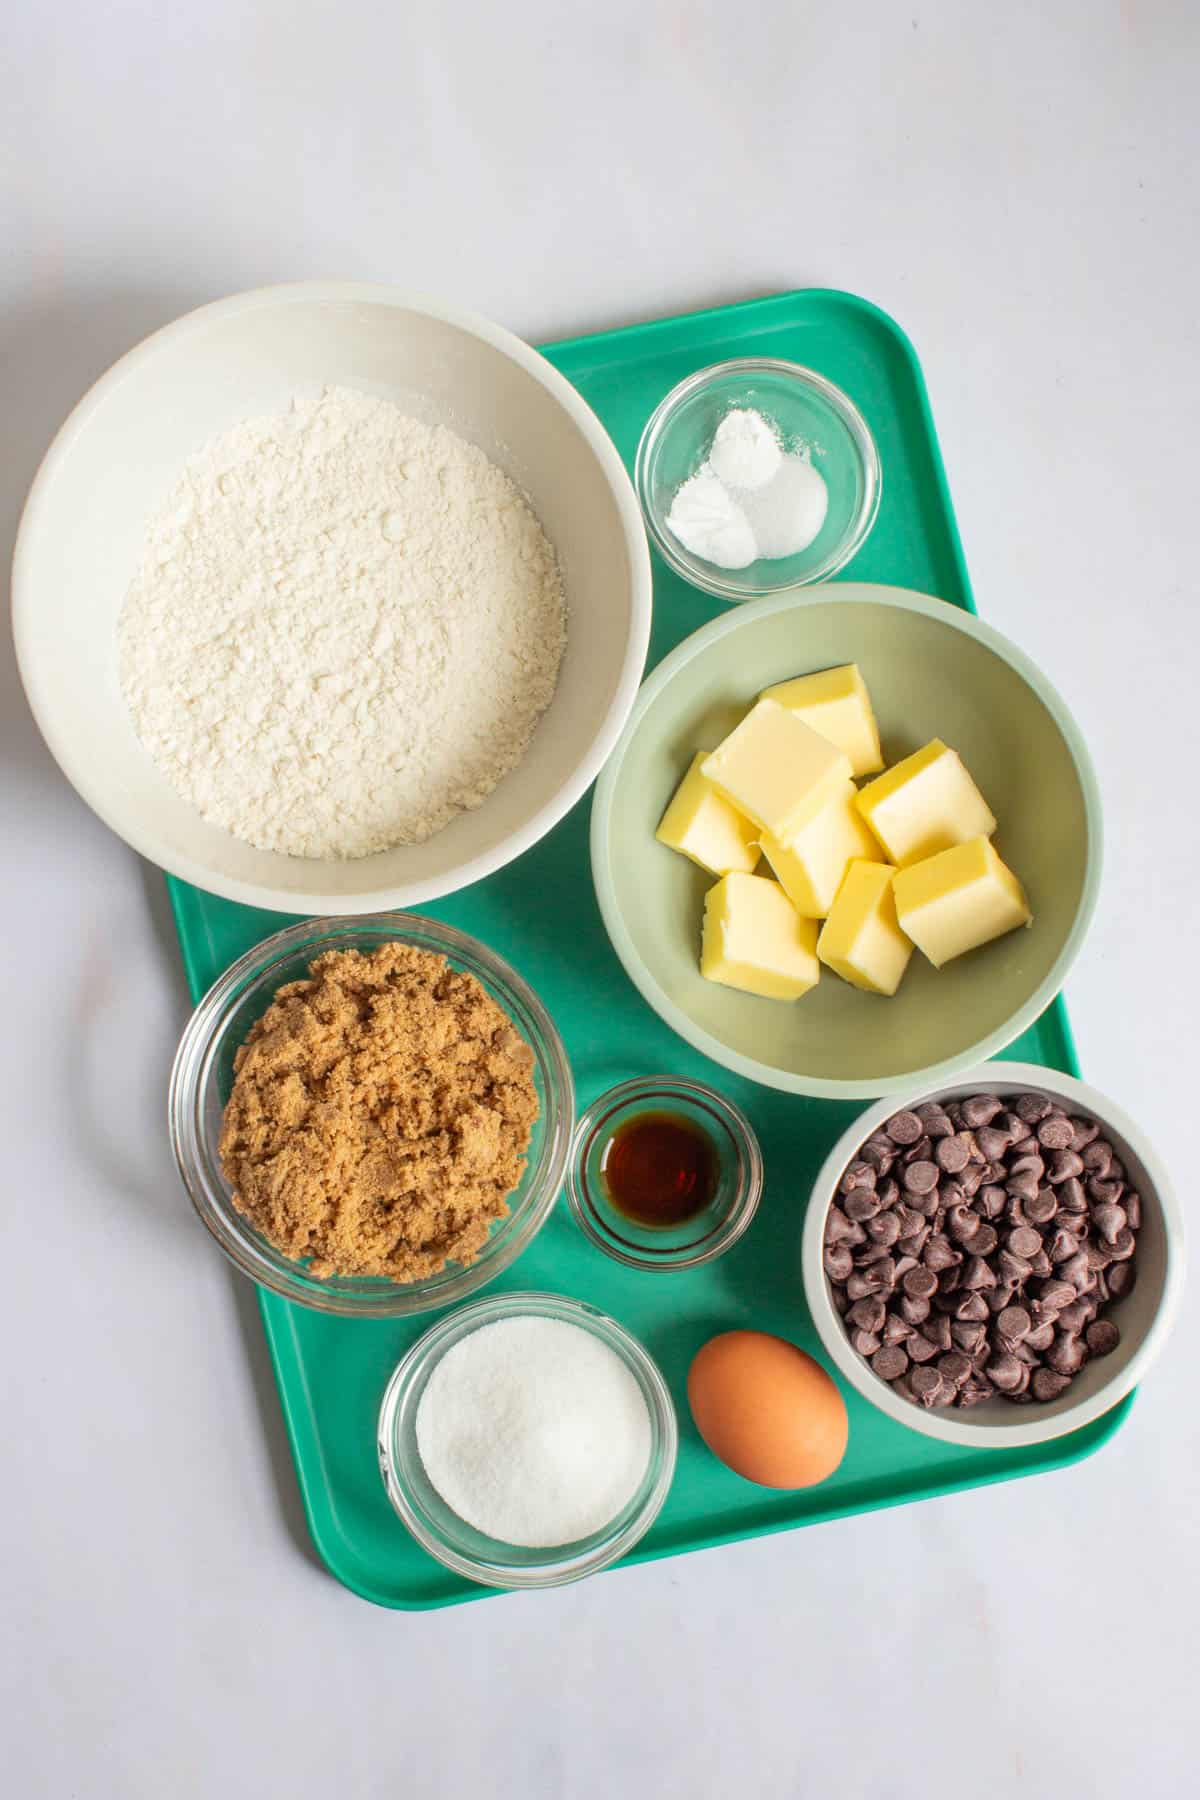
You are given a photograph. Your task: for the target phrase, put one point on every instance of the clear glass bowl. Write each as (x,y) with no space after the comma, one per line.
(440,1531)
(697,1240)
(203,1073)
(808,411)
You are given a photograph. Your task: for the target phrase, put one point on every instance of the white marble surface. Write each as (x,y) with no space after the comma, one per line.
(1017,185)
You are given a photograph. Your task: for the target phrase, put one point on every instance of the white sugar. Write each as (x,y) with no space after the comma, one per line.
(745,449)
(534,1431)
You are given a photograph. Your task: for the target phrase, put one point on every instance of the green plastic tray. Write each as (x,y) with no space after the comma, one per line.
(541,914)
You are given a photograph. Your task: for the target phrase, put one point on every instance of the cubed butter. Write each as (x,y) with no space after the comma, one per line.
(755,940)
(861,940)
(836,703)
(811,862)
(959,899)
(925,804)
(776,769)
(702,824)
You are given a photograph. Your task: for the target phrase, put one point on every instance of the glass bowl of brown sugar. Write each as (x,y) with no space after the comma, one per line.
(358,1226)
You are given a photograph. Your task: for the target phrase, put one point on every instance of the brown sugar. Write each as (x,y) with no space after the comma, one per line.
(380,1114)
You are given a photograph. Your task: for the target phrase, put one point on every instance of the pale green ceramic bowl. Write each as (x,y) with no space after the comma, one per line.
(933,671)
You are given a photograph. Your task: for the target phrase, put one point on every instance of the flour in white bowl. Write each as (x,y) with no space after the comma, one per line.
(345,628)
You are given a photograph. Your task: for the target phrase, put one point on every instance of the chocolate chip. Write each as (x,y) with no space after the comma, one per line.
(952,1154)
(974,1391)
(1097,1158)
(1014,1322)
(1101,1192)
(1001,1295)
(838,1261)
(903,1128)
(920,1177)
(1041,1337)
(868,1313)
(972,1307)
(993,1143)
(1064,1166)
(896,1330)
(839,1230)
(1005,1372)
(888,1191)
(890,1362)
(962,1223)
(1023,1186)
(914,1311)
(970,1338)
(920,1349)
(1121,1278)
(865,1342)
(991,1201)
(954,1367)
(1066,1356)
(1031,1108)
(1110,1220)
(1056,1133)
(1101,1337)
(971,1179)
(1024,1241)
(1040,1264)
(940,1253)
(1041,1207)
(928,1386)
(934,1118)
(861,1204)
(1048,1385)
(1086,1131)
(1123,1245)
(920,1284)
(1062,1246)
(981,1109)
(985,1240)
(1012,1267)
(884,1228)
(880,1152)
(860,1174)
(1071,1197)
(1056,1292)
(1076,1271)
(978,1275)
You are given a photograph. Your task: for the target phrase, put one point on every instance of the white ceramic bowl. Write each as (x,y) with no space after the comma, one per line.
(1145,1316)
(124,446)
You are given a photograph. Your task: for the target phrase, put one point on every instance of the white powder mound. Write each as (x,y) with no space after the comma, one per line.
(709,522)
(745,449)
(534,1431)
(344,630)
(787,513)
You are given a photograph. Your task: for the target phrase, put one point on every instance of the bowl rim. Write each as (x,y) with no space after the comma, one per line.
(707,576)
(199,1045)
(563,1563)
(1025,1430)
(738,1218)
(822,1087)
(74,761)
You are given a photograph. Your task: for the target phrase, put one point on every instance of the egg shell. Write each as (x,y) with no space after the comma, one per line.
(767,1410)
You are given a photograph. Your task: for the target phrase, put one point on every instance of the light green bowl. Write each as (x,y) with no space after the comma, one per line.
(933,671)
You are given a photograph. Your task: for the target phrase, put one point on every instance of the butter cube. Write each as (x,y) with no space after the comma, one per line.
(959,899)
(776,769)
(925,804)
(701,824)
(861,939)
(811,862)
(755,940)
(836,703)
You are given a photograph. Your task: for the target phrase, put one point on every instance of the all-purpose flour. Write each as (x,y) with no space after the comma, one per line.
(344,630)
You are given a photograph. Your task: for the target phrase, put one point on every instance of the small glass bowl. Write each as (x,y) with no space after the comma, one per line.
(697,1240)
(203,1074)
(808,410)
(440,1531)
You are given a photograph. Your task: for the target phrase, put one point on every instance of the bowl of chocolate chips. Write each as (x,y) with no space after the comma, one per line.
(996,1262)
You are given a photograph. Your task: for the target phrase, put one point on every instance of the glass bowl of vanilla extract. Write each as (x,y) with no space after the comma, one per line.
(664,1173)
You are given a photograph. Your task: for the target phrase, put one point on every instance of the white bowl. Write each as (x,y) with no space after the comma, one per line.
(1145,1316)
(124,446)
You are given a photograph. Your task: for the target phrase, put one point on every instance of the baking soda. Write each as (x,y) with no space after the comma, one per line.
(750,498)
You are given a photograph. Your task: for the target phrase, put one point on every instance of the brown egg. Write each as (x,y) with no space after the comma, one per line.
(767,1410)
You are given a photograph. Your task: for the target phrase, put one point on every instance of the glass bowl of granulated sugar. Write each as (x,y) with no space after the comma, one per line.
(756,476)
